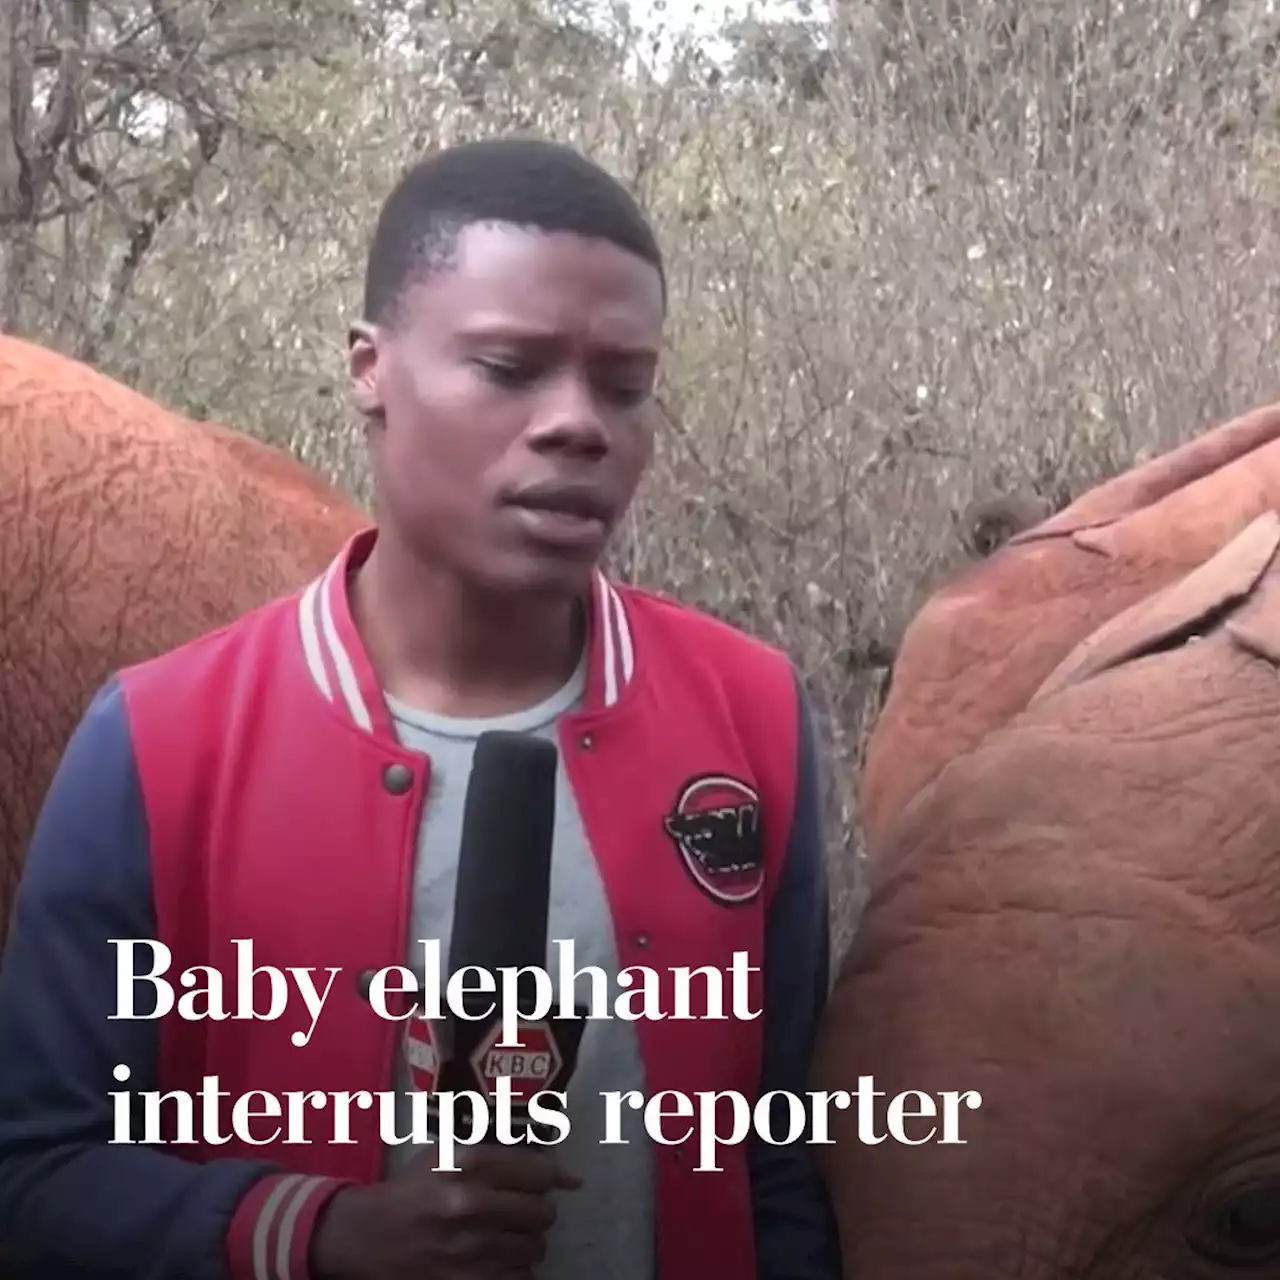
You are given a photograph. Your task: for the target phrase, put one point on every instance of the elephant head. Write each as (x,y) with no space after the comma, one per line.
(977,650)
(1078,920)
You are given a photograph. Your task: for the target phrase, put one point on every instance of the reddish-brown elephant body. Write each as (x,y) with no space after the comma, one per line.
(1075,911)
(978,649)
(127,529)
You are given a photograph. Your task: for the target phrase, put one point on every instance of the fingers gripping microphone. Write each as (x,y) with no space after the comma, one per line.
(500,919)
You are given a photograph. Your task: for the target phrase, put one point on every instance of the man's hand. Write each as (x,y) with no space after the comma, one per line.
(487,1221)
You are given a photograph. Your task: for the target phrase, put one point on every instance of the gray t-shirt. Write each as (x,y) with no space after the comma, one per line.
(605,1228)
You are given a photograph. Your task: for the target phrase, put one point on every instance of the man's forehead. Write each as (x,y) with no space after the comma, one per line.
(508,279)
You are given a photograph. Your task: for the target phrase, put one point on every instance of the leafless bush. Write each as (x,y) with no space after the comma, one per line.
(949,257)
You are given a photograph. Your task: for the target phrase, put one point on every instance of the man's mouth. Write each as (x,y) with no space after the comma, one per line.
(581,501)
(571,516)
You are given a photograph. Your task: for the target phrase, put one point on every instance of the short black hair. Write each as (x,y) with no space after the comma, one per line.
(527,182)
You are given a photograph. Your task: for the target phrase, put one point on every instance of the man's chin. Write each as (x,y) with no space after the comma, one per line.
(545,576)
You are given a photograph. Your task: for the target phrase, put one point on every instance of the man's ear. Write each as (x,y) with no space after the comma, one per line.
(362,368)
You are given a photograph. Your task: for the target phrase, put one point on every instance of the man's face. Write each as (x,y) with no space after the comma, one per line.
(512,405)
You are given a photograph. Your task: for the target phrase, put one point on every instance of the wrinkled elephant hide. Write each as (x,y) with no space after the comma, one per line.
(127,530)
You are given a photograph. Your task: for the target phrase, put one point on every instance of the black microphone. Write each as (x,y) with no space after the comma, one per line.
(500,921)
(504,862)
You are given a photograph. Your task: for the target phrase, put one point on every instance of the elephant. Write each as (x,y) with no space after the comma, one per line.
(1070,945)
(128,530)
(980,645)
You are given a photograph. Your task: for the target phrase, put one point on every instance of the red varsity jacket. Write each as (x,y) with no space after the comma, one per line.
(272,801)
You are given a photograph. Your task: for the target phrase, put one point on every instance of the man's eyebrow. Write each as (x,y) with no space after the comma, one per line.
(486,330)
(480,331)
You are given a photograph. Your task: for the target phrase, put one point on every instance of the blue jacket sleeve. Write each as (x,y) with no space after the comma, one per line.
(71,1203)
(796,1236)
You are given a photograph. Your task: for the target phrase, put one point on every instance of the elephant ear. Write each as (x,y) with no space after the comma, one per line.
(1194,605)
(1225,448)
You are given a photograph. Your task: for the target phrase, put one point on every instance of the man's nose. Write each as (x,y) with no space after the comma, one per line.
(569,419)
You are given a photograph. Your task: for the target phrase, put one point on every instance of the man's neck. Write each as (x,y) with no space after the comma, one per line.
(443,648)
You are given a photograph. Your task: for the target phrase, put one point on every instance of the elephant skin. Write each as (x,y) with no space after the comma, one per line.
(1079,919)
(127,530)
(978,648)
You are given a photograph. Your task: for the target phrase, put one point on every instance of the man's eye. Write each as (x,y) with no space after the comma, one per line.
(629,396)
(507,374)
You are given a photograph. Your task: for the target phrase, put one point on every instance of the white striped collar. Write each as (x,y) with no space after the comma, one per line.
(339,666)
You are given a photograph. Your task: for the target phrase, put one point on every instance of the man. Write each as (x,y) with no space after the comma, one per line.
(298,778)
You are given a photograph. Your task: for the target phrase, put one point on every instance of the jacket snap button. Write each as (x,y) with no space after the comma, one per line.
(642,939)
(364,983)
(397,779)
(586,742)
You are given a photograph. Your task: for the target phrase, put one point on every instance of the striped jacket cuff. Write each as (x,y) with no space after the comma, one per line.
(270,1233)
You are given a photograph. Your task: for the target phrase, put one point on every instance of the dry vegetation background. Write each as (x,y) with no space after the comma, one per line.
(921,252)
